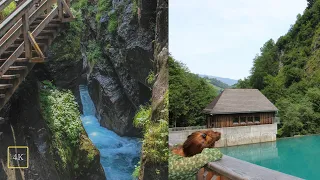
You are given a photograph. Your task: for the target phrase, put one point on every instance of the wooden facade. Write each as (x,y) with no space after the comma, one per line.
(231,120)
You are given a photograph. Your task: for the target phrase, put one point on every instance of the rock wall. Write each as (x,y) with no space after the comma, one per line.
(159,111)
(233,136)
(117,77)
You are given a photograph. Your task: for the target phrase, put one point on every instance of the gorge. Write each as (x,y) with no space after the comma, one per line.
(113,47)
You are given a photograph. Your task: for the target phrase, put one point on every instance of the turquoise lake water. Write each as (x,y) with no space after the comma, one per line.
(295,156)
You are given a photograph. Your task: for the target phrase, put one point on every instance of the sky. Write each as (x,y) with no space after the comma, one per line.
(221,38)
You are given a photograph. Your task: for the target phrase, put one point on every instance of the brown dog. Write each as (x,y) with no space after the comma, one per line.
(195,143)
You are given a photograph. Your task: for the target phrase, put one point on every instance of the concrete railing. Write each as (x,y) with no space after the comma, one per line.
(187,128)
(229,168)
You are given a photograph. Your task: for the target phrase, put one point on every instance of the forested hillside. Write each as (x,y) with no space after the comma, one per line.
(216,82)
(288,73)
(189,94)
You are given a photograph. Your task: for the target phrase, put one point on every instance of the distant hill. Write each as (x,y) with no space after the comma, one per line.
(215,82)
(227,81)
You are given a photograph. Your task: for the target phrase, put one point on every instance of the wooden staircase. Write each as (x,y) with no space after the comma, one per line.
(25,34)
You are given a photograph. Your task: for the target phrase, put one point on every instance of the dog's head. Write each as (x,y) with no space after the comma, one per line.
(199,140)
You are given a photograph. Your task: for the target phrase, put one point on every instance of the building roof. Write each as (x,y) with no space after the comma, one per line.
(232,101)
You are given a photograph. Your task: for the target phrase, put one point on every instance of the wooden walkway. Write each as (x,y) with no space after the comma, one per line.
(25,35)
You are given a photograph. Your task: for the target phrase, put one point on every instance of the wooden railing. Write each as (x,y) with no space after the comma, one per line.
(20,30)
(229,168)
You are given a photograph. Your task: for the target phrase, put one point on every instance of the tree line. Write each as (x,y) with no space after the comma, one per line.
(288,73)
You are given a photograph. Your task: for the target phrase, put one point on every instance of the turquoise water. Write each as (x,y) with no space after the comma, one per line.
(295,156)
(118,155)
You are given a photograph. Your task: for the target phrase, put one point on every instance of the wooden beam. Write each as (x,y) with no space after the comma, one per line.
(35,45)
(10,40)
(67,9)
(68,19)
(32,18)
(25,29)
(15,16)
(37,60)
(46,21)
(60,10)
(5,66)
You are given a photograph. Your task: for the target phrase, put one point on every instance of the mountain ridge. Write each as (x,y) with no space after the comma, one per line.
(227,81)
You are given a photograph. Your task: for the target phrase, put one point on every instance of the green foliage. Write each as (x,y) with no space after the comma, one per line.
(287,72)
(136,171)
(151,78)
(103,7)
(155,142)
(66,46)
(135,7)
(113,22)
(94,52)
(142,117)
(61,113)
(216,82)
(11,7)
(70,146)
(189,95)
(80,4)
(243,84)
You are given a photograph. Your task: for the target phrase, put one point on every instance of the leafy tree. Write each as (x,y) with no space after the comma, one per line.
(287,73)
(243,84)
(189,94)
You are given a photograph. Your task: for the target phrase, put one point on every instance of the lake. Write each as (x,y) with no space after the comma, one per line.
(299,156)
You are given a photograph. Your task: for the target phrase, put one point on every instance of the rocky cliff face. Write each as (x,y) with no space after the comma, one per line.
(151,169)
(114,55)
(117,81)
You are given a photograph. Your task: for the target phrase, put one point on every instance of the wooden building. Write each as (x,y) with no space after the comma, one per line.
(240,107)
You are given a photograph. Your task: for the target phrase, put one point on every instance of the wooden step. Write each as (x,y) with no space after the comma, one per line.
(14,76)
(47,26)
(18,60)
(38,21)
(17,45)
(48,31)
(17,68)
(10,52)
(5,86)
(42,37)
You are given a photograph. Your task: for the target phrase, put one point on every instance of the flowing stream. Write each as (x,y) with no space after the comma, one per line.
(119,155)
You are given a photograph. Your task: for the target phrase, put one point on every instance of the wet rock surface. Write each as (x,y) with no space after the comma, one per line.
(117,82)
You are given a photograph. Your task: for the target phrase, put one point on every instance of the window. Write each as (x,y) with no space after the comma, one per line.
(250,119)
(243,120)
(236,120)
(257,119)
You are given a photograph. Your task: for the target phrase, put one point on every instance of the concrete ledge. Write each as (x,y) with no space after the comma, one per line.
(233,136)
(236,169)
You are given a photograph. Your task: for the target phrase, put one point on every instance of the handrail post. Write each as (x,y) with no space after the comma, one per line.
(25,29)
(48,8)
(60,10)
